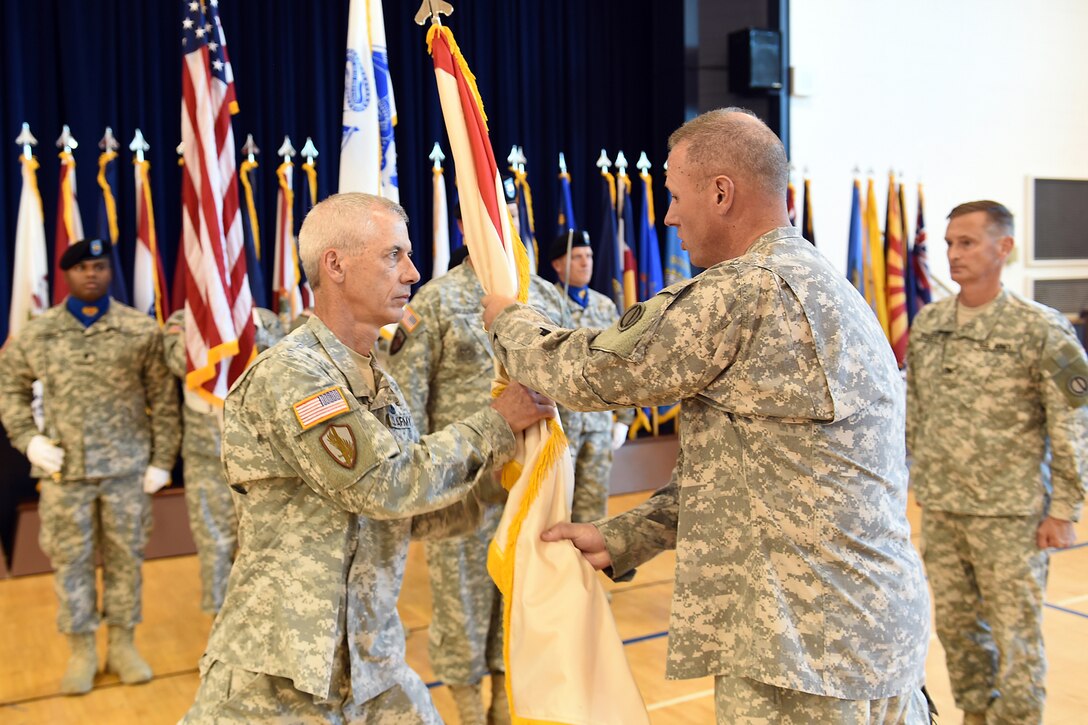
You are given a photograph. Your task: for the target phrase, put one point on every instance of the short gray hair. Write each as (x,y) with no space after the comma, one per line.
(734,141)
(341,221)
(998,217)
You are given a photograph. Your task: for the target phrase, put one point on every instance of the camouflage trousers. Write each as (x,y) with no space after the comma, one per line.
(465,635)
(740,701)
(113,514)
(233,695)
(214,524)
(591,451)
(988,578)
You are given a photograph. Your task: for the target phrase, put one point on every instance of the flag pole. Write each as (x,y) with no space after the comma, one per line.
(432,9)
(27,141)
(437,157)
(66,142)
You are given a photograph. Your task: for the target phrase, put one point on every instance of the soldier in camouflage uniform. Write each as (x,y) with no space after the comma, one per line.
(327,471)
(212,519)
(110,437)
(998,429)
(593,436)
(441,358)
(796,583)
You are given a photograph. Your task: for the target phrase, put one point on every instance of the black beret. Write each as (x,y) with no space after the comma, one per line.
(84,249)
(559,246)
(458,255)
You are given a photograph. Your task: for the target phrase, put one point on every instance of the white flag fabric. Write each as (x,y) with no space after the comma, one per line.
(30,281)
(440,231)
(148,279)
(368,154)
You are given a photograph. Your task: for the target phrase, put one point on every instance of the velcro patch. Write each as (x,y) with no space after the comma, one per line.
(1069,369)
(320,406)
(398,340)
(623,337)
(339,442)
(410,319)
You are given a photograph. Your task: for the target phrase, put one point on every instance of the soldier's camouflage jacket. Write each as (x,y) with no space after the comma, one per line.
(787,506)
(325,479)
(109,400)
(996,414)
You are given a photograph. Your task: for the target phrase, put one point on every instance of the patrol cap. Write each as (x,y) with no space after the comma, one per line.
(458,255)
(578,238)
(84,249)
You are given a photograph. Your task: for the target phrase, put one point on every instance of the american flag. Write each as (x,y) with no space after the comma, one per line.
(219,332)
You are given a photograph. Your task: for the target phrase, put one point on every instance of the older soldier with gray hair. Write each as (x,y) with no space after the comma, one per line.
(110,437)
(997,424)
(796,583)
(327,472)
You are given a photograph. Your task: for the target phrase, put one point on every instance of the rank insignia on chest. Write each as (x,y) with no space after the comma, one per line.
(398,419)
(339,442)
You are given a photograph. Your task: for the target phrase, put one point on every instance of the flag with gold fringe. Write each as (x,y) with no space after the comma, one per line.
(69,221)
(148,277)
(894,281)
(108,227)
(559,669)
(875,267)
(30,280)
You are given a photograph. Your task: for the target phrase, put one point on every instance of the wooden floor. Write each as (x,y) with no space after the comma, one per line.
(172,637)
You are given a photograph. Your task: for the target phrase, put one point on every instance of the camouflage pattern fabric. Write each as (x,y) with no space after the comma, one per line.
(441,358)
(112,405)
(212,519)
(998,429)
(326,475)
(787,506)
(740,700)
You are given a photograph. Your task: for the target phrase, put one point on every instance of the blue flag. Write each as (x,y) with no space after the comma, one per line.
(107,222)
(677,262)
(855,259)
(650,277)
(566,206)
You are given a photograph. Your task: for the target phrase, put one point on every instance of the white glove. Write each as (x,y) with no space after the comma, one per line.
(43,454)
(619,435)
(155,478)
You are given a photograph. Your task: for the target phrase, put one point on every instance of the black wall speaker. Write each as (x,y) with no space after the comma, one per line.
(755,60)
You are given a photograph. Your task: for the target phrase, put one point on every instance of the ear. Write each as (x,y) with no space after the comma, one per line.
(332,266)
(724,193)
(557,265)
(1005,247)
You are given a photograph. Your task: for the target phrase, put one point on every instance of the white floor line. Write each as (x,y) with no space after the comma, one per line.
(1072,600)
(678,700)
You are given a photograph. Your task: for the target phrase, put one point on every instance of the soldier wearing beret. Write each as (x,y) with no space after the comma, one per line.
(327,473)
(110,437)
(797,586)
(997,424)
(592,436)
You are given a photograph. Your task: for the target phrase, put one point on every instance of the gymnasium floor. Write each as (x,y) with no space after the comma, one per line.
(172,637)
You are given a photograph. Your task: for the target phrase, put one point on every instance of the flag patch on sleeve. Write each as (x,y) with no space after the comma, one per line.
(319,407)
(410,320)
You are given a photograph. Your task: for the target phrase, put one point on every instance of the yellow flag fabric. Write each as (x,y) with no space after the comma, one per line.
(876,269)
(564,658)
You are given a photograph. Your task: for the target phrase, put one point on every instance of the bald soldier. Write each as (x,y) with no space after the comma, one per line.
(797,587)
(327,472)
(110,437)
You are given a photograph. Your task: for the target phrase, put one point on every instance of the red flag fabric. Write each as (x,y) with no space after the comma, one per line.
(897,292)
(69,222)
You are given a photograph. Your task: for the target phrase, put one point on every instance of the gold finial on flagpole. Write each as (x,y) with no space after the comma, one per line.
(432,9)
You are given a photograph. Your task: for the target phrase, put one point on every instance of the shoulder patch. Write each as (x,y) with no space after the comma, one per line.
(1069,370)
(398,340)
(320,407)
(339,442)
(410,319)
(623,338)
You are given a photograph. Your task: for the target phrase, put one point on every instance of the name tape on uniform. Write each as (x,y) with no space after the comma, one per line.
(320,406)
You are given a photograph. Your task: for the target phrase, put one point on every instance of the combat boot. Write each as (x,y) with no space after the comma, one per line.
(470,704)
(499,712)
(82,665)
(124,660)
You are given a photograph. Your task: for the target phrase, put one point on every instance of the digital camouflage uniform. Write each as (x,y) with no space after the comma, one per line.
(441,358)
(998,430)
(787,506)
(589,435)
(212,519)
(326,475)
(112,405)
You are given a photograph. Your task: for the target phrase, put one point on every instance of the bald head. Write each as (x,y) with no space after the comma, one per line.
(344,222)
(735,143)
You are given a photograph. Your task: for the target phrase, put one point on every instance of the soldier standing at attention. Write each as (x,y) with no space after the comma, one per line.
(593,436)
(441,358)
(110,437)
(212,518)
(327,472)
(797,586)
(998,429)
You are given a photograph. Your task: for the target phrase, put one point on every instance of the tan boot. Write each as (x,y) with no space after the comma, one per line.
(470,704)
(82,665)
(124,660)
(499,712)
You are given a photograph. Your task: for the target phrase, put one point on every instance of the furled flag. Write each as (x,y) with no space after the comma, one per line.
(526,221)
(625,232)
(568,669)
(855,250)
(219,331)
(368,151)
(923,295)
(148,277)
(875,268)
(607,260)
(440,221)
(69,220)
(566,204)
(650,277)
(677,261)
(309,201)
(251,224)
(908,253)
(286,277)
(30,281)
(107,213)
(791,202)
(808,229)
(896,291)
